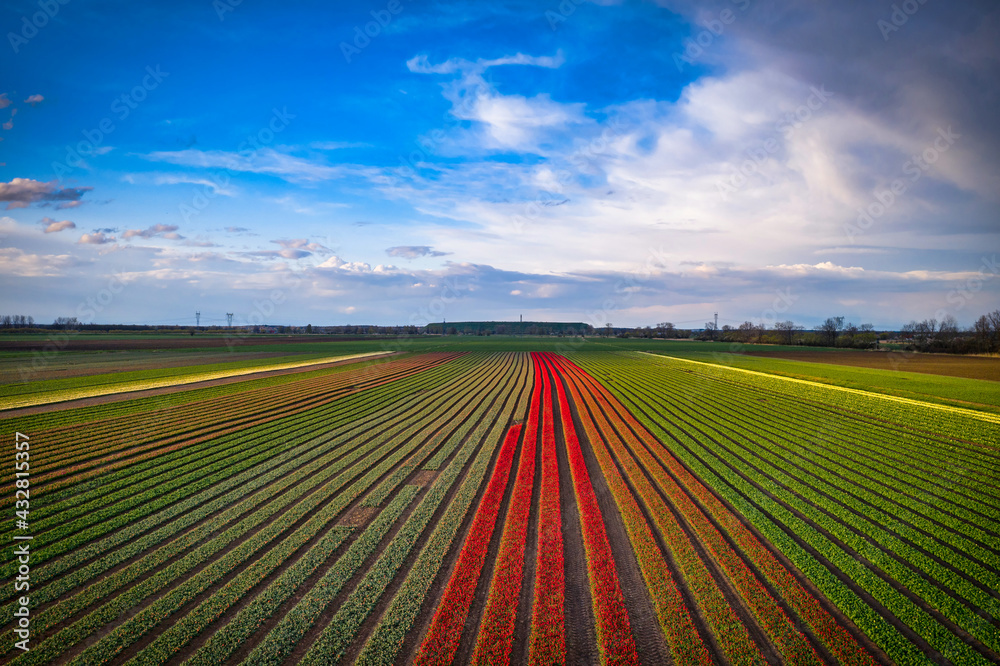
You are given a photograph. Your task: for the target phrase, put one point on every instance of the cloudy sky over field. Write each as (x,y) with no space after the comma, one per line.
(398,162)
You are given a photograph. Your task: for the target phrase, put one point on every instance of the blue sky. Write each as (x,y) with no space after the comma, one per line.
(632,162)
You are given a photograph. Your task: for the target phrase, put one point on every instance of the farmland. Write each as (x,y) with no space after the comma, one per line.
(490,503)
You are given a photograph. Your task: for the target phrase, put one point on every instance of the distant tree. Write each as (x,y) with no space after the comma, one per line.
(787,330)
(665,329)
(831,329)
(994,321)
(309,328)
(746,331)
(924,330)
(866,337)
(846,338)
(947,331)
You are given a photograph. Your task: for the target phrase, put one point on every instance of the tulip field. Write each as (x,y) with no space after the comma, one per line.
(509,507)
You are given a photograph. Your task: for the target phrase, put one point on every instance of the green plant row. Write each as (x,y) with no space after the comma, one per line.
(449,430)
(829,508)
(70,418)
(159,460)
(963,424)
(921,456)
(643,391)
(294,502)
(893,510)
(283,637)
(126,634)
(151,561)
(916,457)
(280,641)
(73,442)
(781,527)
(843,472)
(192,510)
(83,415)
(889,470)
(195,621)
(156,497)
(343,627)
(383,644)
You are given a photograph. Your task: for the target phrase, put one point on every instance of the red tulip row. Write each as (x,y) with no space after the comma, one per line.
(761,603)
(384,643)
(496,630)
(733,637)
(840,642)
(442,639)
(614,634)
(673,614)
(548,631)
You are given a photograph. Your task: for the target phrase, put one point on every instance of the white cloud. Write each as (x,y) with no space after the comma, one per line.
(264,161)
(503,122)
(52,226)
(339,264)
(179,179)
(337,145)
(414,251)
(421,65)
(22,192)
(96,238)
(168,231)
(17,263)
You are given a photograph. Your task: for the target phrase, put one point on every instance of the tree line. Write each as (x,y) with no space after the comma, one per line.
(931,335)
(16,321)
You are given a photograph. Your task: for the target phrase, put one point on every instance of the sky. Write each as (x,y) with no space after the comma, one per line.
(400,162)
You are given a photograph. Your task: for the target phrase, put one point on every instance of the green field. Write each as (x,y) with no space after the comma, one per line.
(958,391)
(104,368)
(508,500)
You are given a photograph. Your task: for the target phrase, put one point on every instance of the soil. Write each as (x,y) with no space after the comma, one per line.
(649,640)
(424,477)
(359,516)
(581,633)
